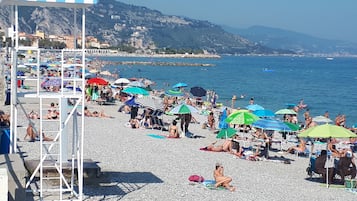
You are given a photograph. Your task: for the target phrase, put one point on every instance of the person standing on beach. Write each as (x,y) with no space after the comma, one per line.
(211,121)
(222,180)
(185,121)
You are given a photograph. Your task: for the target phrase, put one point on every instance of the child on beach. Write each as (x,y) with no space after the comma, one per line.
(222,180)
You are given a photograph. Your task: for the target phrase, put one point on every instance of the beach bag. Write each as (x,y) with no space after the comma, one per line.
(196,178)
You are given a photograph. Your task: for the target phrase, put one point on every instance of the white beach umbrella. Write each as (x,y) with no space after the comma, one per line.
(121,81)
(321,119)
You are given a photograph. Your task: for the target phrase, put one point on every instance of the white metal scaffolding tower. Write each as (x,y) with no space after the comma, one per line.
(60,166)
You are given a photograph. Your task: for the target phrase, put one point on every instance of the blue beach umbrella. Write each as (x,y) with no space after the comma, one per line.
(254,107)
(179,85)
(271,124)
(136,91)
(264,113)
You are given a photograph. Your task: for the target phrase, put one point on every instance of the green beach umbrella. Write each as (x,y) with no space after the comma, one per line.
(293,127)
(327,131)
(242,117)
(226,133)
(183,109)
(285,111)
(136,91)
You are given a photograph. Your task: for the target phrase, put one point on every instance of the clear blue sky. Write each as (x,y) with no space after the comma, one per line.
(331,19)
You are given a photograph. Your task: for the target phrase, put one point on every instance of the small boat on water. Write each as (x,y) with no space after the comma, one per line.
(329,58)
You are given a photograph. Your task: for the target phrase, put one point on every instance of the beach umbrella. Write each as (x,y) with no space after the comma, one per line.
(327,131)
(254,107)
(136,91)
(226,133)
(292,126)
(172,92)
(198,91)
(179,85)
(20,73)
(242,118)
(89,75)
(271,124)
(285,111)
(121,81)
(222,119)
(264,113)
(321,119)
(136,84)
(151,101)
(183,109)
(85,70)
(97,80)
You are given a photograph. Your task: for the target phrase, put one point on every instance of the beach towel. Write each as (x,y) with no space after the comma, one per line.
(209,184)
(156,136)
(333,185)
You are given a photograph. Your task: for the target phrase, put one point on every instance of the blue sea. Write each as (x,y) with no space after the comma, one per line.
(325,85)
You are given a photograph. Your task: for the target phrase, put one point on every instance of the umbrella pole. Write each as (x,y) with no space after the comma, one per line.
(327,164)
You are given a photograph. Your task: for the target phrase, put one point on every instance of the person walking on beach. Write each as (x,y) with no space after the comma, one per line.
(222,180)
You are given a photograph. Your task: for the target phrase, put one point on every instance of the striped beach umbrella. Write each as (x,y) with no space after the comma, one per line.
(183,109)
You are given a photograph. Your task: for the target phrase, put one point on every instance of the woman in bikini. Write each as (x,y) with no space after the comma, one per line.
(211,121)
(173,130)
(222,180)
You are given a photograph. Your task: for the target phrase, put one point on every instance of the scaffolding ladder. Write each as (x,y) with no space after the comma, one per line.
(61,124)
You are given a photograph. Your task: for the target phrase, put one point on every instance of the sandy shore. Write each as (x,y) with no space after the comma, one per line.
(138,167)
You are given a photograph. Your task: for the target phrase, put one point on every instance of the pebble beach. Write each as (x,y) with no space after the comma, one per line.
(135,166)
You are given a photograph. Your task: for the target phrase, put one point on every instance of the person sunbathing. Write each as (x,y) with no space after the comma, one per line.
(299,148)
(101,114)
(220,179)
(225,147)
(30,131)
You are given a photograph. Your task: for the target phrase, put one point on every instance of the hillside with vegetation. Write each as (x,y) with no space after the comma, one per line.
(136,28)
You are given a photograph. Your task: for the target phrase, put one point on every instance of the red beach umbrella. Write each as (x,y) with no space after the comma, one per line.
(98,81)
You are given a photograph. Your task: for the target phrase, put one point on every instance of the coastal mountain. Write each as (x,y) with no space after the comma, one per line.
(144,29)
(294,41)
